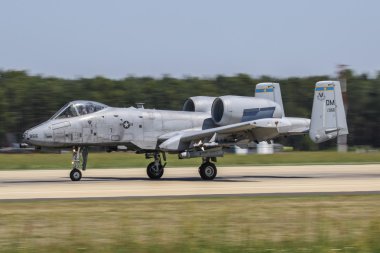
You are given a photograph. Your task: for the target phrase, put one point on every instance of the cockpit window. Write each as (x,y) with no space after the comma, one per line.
(68,113)
(77,108)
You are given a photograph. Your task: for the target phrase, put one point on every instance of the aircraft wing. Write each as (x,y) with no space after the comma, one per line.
(256,130)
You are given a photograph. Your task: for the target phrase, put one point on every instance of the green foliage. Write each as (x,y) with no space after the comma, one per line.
(27,100)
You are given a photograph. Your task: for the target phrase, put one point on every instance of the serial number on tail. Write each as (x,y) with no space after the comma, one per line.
(331,110)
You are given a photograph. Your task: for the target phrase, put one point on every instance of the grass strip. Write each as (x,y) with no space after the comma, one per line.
(218,224)
(131,160)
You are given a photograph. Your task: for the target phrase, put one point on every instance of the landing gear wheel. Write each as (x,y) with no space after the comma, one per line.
(75,175)
(208,171)
(154,171)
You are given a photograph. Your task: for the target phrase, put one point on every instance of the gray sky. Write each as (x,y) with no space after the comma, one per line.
(85,38)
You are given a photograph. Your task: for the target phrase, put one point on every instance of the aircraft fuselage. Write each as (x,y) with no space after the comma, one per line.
(138,129)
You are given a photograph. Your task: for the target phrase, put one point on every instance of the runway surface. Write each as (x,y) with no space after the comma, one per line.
(103,183)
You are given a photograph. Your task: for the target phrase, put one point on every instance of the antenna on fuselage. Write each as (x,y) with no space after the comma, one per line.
(140,105)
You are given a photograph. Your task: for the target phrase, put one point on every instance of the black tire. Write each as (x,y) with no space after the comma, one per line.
(208,171)
(153,172)
(75,175)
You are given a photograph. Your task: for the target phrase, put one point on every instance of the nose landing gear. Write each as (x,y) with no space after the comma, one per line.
(79,161)
(75,175)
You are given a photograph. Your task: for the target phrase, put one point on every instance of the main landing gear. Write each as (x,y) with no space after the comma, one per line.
(79,161)
(207,170)
(155,169)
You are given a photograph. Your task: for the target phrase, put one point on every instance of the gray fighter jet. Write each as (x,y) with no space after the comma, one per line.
(204,127)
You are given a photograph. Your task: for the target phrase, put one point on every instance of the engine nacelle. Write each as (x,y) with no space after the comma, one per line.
(198,104)
(228,110)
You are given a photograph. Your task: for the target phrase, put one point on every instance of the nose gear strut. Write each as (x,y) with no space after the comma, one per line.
(79,161)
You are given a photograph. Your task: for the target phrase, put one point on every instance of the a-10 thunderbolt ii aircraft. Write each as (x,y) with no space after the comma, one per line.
(204,127)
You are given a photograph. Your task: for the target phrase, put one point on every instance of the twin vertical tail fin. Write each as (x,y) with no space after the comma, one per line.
(271,91)
(328,117)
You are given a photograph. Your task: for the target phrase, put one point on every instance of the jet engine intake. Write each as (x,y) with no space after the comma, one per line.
(234,109)
(198,104)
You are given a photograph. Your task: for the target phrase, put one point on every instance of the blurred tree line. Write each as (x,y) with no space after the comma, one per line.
(26,100)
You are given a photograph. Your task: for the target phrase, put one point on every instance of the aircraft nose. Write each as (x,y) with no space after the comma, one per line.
(35,135)
(25,137)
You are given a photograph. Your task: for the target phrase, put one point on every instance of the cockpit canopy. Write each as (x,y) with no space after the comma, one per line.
(77,108)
